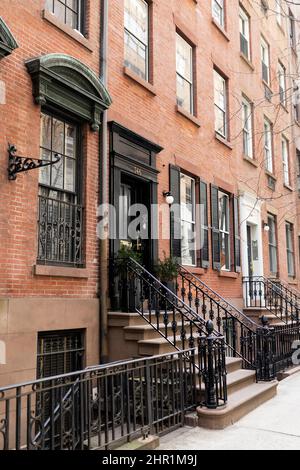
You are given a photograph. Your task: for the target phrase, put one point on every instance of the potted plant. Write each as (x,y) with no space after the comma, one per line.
(167,272)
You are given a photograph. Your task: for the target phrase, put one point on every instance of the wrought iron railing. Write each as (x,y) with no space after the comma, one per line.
(105,406)
(287,290)
(239,330)
(260,292)
(60,232)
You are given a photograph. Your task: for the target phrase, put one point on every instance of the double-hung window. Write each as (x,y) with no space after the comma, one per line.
(184,72)
(292,30)
(220,99)
(268,145)
(282,84)
(244,33)
(247,128)
(224,226)
(188,220)
(273,263)
(69,12)
(60,222)
(289,230)
(136,36)
(265,61)
(285,161)
(218,12)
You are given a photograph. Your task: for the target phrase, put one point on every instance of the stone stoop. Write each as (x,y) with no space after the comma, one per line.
(256,313)
(132,336)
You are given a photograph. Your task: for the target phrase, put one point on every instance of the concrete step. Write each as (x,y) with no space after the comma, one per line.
(121,319)
(240,403)
(146,331)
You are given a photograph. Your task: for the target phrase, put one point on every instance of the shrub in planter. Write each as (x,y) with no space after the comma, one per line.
(167,272)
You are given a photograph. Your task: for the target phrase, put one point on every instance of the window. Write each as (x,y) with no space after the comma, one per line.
(278,6)
(265,61)
(69,12)
(273,263)
(285,161)
(247,128)
(184,71)
(292,30)
(296,101)
(224,224)
(268,145)
(218,12)
(60,213)
(282,84)
(289,228)
(298,169)
(136,37)
(188,214)
(244,33)
(220,97)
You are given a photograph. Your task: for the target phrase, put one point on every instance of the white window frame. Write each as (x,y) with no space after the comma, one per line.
(278,7)
(133,36)
(225,232)
(219,107)
(247,117)
(184,78)
(265,59)
(285,161)
(282,83)
(289,230)
(220,19)
(244,20)
(268,145)
(186,220)
(272,241)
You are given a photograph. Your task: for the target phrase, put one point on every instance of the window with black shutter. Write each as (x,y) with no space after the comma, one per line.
(216,249)
(237,238)
(204,225)
(175,223)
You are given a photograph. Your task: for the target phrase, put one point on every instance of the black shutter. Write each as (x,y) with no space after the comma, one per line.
(204,225)
(175,212)
(216,240)
(237,238)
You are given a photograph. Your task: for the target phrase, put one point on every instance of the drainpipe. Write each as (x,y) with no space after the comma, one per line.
(103,162)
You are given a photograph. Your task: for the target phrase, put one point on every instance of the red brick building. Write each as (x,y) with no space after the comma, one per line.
(203,106)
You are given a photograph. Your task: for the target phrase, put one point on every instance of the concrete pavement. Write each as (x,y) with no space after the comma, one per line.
(273,425)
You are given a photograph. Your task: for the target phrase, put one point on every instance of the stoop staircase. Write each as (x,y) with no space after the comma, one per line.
(150,330)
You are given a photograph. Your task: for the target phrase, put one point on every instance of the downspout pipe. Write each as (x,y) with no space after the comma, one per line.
(103,192)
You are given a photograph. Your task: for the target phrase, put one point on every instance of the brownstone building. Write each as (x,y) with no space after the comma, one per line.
(201,104)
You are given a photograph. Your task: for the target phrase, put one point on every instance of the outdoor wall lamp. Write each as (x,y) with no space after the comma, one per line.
(266,227)
(169,197)
(17,164)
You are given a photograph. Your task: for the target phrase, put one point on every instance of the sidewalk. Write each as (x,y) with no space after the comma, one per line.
(274,425)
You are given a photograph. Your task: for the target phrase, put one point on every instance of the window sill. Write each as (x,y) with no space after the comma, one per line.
(51,18)
(252,161)
(268,173)
(188,116)
(287,186)
(247,61)
(220,29)
(223,141)
(59,271)
(292,281)
(268,86)
(228,274)
(195,270)
(133,76)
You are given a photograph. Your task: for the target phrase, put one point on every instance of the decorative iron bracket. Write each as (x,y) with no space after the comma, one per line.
(17,164)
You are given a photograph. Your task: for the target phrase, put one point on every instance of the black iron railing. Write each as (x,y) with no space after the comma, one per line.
(101,407)
(287,290)
(239,330)
(60,232)
(260,292)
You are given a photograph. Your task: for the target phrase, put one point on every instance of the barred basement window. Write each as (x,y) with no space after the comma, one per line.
(60,223)
(69,12)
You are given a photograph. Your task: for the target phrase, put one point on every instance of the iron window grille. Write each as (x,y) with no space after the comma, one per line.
(70,12)
(60,219)
(184,72)
(136,37)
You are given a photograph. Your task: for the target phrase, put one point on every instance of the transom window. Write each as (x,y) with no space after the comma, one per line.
(247,128)
(60,212)
(282,84)
(289,229)
(268,145)
(244,33)
(224,226)
(220,97)
(265,61)
(273,263)
(136,37)
(70,12)
(184,71)
(218,12)
(285,161)
(188,222)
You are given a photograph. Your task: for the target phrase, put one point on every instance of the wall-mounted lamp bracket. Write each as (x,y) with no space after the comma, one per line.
(17,164)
